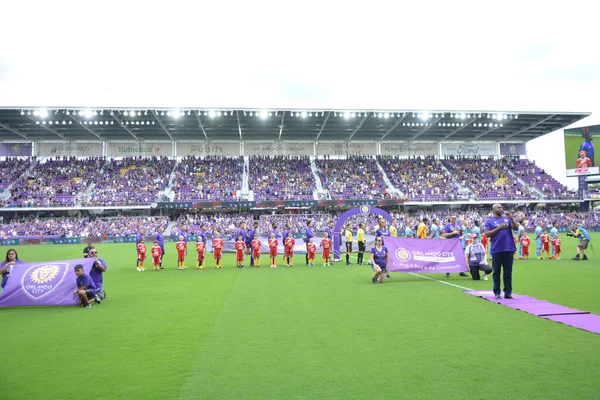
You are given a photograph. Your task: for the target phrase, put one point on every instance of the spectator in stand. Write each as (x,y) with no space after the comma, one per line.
(356,177)
(281,178)
(208,178)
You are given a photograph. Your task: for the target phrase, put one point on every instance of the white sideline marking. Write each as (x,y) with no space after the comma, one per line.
(437,280)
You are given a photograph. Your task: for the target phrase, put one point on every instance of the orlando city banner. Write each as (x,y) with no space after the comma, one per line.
(425,255)
(49,283)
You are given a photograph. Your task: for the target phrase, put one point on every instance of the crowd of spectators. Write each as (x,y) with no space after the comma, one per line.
(209,178)
(356,177)
(537,177)
(281,178)
(421,179)
(11,170)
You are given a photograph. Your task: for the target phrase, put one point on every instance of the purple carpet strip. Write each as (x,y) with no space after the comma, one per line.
(554,312)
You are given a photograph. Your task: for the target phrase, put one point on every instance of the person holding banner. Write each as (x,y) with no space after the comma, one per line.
(12,259)
(380,233)
(498,229)
(379,261)
(97,271)
(475,255)
(452,230)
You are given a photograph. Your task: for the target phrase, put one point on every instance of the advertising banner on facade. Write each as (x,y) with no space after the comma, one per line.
(144,149)
(470,149)
(208,148)
(409,149)
(69,149)
(513,149)
(256,148)
(16,149)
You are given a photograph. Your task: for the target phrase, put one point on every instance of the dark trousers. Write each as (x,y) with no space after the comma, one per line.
(503,260)
(476,268)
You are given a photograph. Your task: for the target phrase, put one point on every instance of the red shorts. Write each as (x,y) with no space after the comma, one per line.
(557,250)
(217,253)
(525,251)
(255,254)
(326,253)
(200,256)
(272,252)
(141,257)
(311,255)
(239,255)
(155,260)
(545,247)
(181,255)
(289,253)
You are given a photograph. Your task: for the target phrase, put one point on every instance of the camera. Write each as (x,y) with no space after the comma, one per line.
(571,234)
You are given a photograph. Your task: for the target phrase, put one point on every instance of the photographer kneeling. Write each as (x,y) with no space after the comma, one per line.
(584,239)
(475,255)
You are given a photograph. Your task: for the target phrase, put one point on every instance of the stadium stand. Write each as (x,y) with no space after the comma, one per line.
(536,177)
(281,178)
(208,178)
(353,178)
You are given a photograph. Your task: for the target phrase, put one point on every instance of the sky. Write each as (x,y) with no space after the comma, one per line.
(425,55)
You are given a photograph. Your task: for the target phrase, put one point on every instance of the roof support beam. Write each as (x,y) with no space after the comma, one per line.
(362,121)
(86,127)
(281,126)
(200,124)
(161,124)
(13,130)
(237,114)
(393,127)
(540,121)
(60,135)
(459,129)
(323,126)
(422,131)
(124,127)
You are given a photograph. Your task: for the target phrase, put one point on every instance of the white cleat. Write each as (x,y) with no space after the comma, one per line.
(139,269)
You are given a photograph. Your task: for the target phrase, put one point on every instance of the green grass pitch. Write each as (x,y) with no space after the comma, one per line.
(300,333)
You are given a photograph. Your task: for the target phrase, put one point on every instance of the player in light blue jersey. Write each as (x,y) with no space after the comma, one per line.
(553,232)
(435,230)
(476,230)
(538,239)
(520,233)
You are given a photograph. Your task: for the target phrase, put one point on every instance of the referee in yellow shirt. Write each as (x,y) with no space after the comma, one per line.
(348,235)
(422,229)
(393,230)
(360,235)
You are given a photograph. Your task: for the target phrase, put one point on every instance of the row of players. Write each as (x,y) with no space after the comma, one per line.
(241,249)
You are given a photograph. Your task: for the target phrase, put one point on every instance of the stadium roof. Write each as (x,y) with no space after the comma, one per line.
(323,125)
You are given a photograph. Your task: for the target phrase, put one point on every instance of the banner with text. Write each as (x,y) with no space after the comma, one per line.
(208,148)
(408,149)
(513,149)
(69,149)
(275,148)
(50,283)
(144,149)
(346,148)
(16,149)
(425,255)
(470,149)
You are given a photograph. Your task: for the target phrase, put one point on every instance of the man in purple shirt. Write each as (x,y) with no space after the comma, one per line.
(160,237)
(249,237)
(452,230)
(97,271)
(498,229)
(86,288)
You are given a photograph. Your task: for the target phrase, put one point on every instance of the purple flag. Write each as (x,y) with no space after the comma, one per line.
(425,255)
(49,283)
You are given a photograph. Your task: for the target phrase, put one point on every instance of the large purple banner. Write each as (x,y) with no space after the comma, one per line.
(16,149)
(425,255)
(50,283)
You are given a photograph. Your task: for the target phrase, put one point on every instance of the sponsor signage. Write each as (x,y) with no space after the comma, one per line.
(583,171)
(276,148)
(144,149)
(208,148)
(340,148)
(513,149)
(470,149)
(409,149)
(69,149)
(16,149)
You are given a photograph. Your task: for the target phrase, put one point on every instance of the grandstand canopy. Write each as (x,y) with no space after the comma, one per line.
(322,125)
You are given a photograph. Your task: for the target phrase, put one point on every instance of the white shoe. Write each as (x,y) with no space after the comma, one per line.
(485,278)
(139,269)
(143,269)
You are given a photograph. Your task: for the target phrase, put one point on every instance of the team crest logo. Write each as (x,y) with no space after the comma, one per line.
(16,148)
(365,210)
(402,254)
(42,279)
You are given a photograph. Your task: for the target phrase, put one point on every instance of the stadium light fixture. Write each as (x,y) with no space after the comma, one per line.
(50,122)
(43,113)
(264,114)
(95,122)
(177,114)
(28,112)
(88,113)
(211,114)
(463,116)
(169,113)
(37,122)
(437,115)
(43,122)
(22,112)
(386,115)
(126,113)
(501,125)
(353,115)
(36,113)
(304,114)
(95,113)
(380,115)
(424,116)
(64,122)
(346,115)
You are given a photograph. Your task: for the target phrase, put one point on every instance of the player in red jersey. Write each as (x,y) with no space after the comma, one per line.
(289,243)
(181,247)
(484,242)
(273,243)
(240,246)
(218,250)
(525,242)
(256,251)
(545,244)
(156,253)
(326,245)
(141,250)
(583,161)
(556,243)
(311,248)
(200,249)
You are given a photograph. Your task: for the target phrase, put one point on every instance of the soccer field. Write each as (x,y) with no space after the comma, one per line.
(301,333)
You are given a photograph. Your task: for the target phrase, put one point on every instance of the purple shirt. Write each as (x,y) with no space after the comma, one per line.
(96,274)
(8,271)
(86,281)
(449,228)
(503,240)
(380,257)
